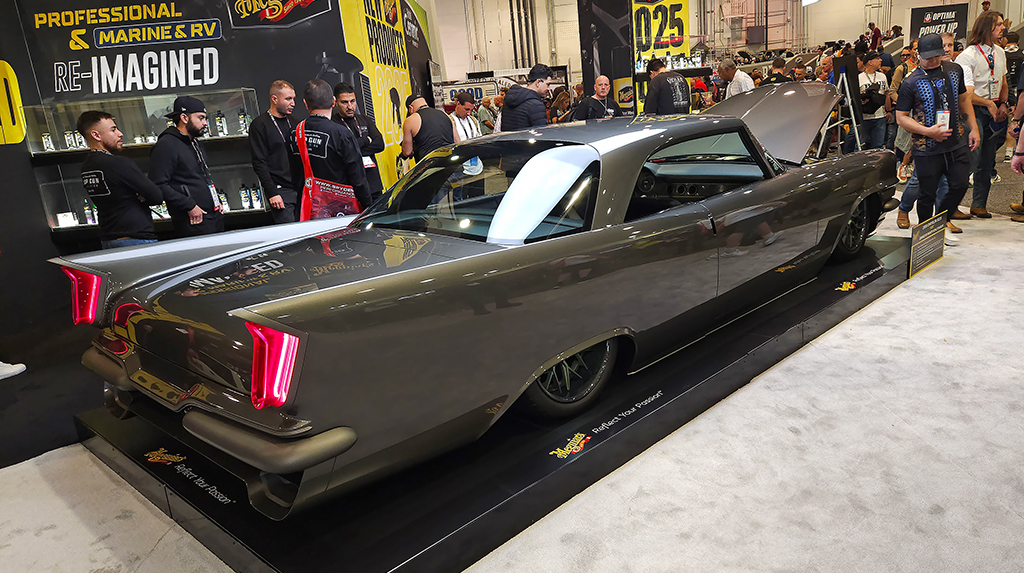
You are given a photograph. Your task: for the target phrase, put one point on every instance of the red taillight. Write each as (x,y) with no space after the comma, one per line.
(273,362)
(85,295)
(125,311)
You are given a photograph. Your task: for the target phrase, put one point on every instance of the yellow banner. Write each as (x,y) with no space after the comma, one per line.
(374,34)
(659,31)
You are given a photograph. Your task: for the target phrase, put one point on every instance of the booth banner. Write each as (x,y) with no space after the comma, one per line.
(417,44)
(375,33)
(606,47)
(102,49)
(479,89)
(659,31)
(948,18)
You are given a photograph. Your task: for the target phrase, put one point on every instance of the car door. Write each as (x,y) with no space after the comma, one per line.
(762,218)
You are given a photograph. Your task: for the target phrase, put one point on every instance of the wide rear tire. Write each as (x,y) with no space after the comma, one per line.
(852,236)
(572,385)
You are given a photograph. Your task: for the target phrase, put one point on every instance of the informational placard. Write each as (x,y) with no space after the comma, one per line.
(927,243)
(942,19)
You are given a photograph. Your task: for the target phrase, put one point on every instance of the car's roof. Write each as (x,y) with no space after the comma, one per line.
(609,134)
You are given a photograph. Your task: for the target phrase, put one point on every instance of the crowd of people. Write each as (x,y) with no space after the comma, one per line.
(906,107)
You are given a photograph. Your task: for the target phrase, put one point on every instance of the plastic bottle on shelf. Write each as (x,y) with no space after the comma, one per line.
(80,141)
(151,138)
(90,212)
(48,142)
(164,213)
(243,193)
(243,122)
(224,207)
(222,124)
(257,197)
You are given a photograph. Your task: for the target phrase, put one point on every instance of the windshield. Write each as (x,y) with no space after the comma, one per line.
(504,192)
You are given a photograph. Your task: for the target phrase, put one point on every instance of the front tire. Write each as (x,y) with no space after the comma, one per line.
(572,385)
(852,236)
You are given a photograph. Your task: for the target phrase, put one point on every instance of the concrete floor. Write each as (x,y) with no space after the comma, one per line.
(890,443)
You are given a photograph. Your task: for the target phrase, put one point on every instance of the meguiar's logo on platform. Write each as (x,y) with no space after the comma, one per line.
(162,457)
(846,286)
(574,446)
(275,13)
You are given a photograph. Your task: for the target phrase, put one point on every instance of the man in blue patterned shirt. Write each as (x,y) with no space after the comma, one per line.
(930,103)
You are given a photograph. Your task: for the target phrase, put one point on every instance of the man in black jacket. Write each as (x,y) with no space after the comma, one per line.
(177,164)
(668,92)
(524,107)
(333,151)
(370,141)
(116,185)
(272,145)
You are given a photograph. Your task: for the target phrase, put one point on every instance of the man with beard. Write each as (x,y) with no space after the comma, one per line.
(370,141)
(598,105)
(272,145)
(177,164)
(524,106)
(116,185)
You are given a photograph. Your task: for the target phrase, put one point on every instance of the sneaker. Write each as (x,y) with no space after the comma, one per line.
(996,178)
(734,252)
(1009,153)
(8,370)
(970,180)
(951,241)
(772,237)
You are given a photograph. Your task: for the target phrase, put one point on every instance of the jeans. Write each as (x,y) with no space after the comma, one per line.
(872,136)
(912,192)
(128,242)
(955,165)
(890,134)
(983,159)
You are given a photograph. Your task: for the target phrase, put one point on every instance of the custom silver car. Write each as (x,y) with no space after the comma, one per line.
(527,267)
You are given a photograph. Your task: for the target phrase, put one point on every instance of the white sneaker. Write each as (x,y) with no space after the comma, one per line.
(970,180)
(771,238)
(734,252)
(8,370)
(1009,153)
(952,240)
(996,178)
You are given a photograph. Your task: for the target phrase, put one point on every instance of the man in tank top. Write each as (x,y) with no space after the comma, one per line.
(425,129)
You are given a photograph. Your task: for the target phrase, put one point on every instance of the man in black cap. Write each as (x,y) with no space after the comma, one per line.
(668,92)
(369,138)
(177,164)
(425,128)
(272,146)
(333,151)
(930,104)
(119,189)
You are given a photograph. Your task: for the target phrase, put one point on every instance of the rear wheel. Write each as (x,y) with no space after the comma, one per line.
(569,387)
(853,235)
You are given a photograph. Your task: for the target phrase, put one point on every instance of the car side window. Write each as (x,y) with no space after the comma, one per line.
(692,170)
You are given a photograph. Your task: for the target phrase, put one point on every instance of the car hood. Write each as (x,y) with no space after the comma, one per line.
(785,118)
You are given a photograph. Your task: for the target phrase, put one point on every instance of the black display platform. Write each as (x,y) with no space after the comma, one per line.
(446,514)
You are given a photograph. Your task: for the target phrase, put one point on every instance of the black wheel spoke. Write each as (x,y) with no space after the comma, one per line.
(573,378)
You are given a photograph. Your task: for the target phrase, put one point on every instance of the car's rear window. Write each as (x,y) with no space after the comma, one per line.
(504,192)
